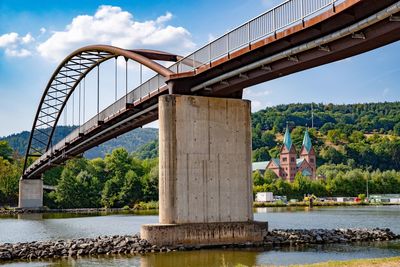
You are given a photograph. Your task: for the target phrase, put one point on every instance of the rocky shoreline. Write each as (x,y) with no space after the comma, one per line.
(133,244)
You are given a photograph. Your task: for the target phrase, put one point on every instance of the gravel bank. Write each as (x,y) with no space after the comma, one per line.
(133,244)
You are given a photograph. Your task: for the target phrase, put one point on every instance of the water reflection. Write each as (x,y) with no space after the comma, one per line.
(30,216)
(200,258)
(235,257)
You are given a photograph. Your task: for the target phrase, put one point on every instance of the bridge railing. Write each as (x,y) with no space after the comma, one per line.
(267,24)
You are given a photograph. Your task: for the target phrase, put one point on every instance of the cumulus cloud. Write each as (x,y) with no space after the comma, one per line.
(8,39)
(18,52)
(27,39)
(114,26)
(14,44)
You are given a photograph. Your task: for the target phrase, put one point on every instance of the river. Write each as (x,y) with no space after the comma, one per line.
(32,227)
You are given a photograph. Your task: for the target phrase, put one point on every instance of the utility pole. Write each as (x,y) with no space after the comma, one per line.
(367,189)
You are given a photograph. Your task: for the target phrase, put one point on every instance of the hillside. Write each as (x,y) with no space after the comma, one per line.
(131,141)
(359,135)
(370,117)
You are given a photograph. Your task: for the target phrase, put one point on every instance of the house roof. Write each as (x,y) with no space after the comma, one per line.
(262,165)
(299,162)
(277,162)
(306,172)
(307,141)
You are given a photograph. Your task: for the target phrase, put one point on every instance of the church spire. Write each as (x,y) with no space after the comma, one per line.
(287,139)
(307,141)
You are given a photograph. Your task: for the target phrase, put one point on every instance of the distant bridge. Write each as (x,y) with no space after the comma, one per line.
(294,36)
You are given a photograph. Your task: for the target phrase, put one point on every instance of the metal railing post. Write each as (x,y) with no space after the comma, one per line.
(274,22)
(248,33)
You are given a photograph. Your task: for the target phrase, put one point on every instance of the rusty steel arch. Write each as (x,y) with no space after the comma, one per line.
(69,73)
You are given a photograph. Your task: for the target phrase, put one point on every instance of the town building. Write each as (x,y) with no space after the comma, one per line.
(289,164)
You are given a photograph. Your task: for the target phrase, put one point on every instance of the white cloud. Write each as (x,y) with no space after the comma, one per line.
(17,52)
(43,30)
(13,44)
(164,18)
(27,39)
(256,93)
(113,26)
(8,39)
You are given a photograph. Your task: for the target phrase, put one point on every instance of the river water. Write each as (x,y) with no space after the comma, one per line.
(32,227)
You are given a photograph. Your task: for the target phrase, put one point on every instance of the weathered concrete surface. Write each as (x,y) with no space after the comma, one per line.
(30,193)
(206,234)
(205,160)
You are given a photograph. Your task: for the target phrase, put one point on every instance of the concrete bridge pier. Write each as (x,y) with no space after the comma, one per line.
(205,185)
(30,193)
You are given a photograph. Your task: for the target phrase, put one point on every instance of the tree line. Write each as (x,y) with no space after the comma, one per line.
(340,181)
(117,180)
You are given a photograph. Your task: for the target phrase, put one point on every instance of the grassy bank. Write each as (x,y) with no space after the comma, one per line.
(379,262)
(318,204)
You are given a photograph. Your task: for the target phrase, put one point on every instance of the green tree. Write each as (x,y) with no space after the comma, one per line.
(131,190)
(270,176)
(258,179)
(261,154)
(150,183)
(5,150)
(396,129)
(9,177)
(268,139)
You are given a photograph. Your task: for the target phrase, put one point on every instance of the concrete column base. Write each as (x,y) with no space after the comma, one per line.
(30,193)
(204,234)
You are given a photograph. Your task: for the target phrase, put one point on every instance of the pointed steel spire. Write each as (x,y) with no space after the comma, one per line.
(307,141)
(287,139)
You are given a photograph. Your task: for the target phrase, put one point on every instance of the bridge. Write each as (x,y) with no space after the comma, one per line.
(205,130)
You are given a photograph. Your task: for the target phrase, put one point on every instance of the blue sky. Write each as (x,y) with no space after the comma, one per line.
(35,36)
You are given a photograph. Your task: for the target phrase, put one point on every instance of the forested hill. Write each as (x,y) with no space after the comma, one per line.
(371,117)
(359,135)
(131,141)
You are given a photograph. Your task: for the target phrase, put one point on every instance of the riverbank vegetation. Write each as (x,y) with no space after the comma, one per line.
(340,181)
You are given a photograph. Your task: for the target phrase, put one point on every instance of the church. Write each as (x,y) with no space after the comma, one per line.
(288,164)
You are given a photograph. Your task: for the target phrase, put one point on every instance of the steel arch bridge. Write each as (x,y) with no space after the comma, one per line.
(294,36)
(65,79)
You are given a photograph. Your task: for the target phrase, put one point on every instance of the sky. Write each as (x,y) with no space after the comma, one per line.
(36,35)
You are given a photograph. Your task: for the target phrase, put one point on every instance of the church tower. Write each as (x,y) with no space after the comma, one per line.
(288,157)
(307,152)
